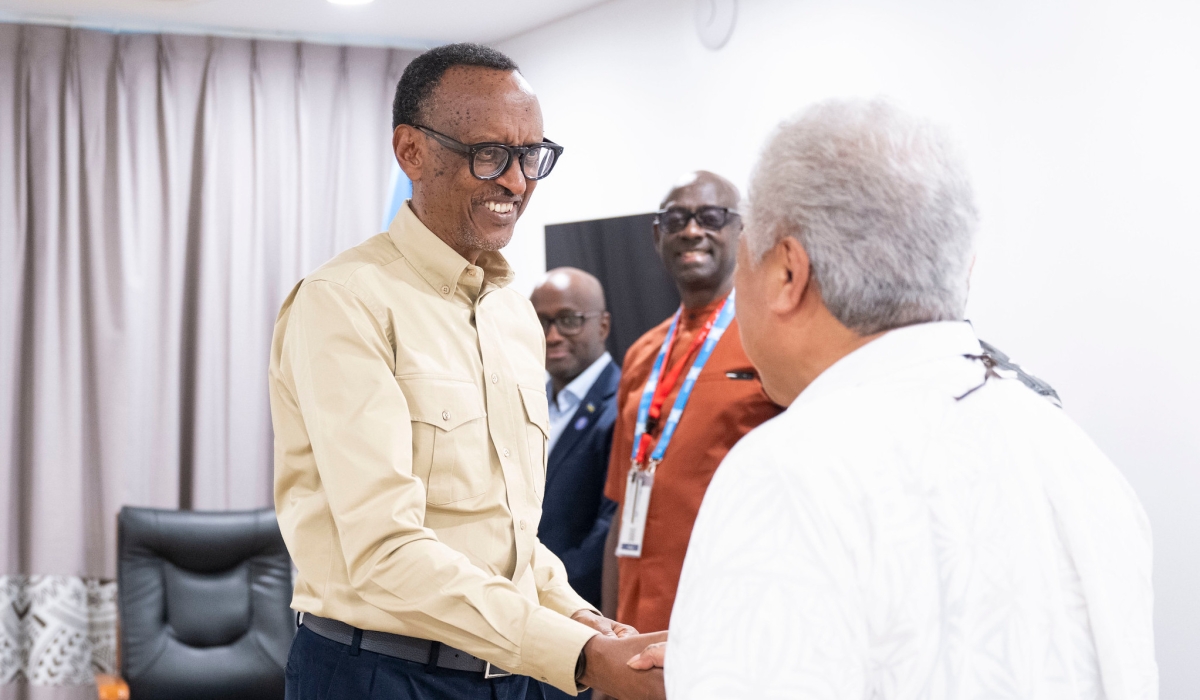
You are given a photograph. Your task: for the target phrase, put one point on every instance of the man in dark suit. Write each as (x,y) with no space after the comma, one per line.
(582,392)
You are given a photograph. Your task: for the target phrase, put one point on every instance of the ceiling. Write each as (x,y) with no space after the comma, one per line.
(409,23)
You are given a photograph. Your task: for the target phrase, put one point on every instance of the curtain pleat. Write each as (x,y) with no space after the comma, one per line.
(159,196)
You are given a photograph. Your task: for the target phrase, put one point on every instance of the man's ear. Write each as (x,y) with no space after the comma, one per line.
(605,324)
(409,150)
(795,271)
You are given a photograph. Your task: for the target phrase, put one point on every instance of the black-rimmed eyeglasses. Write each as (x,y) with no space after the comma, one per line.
(676,219)
(489,161)
(567,322)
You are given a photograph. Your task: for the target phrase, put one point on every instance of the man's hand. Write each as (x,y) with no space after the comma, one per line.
(651,657)
(603,625)
(609,672)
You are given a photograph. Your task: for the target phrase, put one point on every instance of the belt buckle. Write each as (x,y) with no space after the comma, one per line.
(490,671)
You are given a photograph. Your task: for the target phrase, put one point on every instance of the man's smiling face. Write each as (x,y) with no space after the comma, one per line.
(474,105)
(697,256)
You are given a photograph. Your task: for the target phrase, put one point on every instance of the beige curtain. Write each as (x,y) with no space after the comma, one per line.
(159,196)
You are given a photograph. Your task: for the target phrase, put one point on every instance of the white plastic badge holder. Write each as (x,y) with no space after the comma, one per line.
(633,515)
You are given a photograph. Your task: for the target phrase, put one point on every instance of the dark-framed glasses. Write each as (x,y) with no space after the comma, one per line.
(489,161)
(676,219)
(567,322)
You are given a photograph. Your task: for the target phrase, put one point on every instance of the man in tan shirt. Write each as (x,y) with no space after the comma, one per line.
(410,416)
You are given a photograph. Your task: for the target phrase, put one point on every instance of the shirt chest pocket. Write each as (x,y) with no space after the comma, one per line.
(537,430)
(449,438)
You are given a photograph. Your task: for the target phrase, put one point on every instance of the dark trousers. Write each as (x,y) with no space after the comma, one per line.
(322,669)
(549,692)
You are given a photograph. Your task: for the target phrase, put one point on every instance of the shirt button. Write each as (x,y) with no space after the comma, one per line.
(445,415)
(522,524)
(471,272)
(495,378)
(506,453)
(445,289)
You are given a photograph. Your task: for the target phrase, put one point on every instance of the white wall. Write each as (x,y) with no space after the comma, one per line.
(1081,122)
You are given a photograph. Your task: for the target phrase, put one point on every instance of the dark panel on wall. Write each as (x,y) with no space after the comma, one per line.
(620,252)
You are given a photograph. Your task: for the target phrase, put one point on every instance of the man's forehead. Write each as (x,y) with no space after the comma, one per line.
(523,83)
(558,279)
(485,102)
(565,289)
(482,81)
(549,299)
(700,193)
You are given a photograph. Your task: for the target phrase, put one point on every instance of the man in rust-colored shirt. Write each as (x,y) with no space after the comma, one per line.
(696,235)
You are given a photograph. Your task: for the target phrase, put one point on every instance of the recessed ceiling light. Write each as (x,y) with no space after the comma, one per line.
(349,2)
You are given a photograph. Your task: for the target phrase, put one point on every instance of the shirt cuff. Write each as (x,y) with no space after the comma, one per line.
(551,647)
(564,601)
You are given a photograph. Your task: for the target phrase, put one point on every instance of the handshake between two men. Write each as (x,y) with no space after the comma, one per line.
(621,663)
(384,360)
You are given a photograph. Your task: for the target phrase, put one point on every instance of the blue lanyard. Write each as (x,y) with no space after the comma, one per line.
(724,318)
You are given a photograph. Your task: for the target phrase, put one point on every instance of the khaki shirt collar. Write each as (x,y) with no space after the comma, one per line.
(440,266)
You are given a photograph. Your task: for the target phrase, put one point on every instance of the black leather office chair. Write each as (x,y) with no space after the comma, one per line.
(204,604)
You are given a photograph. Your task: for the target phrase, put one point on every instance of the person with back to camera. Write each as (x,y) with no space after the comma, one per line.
(919,524)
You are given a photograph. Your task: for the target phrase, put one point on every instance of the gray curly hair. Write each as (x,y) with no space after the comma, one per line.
(882,205)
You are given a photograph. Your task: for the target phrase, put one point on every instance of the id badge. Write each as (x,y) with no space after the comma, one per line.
(633,515)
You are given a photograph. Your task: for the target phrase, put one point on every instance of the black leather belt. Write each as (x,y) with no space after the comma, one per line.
(399,646)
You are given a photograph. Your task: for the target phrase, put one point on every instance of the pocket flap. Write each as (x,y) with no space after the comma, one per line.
(443,403)
(536,407)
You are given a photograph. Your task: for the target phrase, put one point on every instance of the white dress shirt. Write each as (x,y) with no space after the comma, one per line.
(884,539)
(564,405)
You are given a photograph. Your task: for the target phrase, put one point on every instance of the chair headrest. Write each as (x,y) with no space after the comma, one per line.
(204,542)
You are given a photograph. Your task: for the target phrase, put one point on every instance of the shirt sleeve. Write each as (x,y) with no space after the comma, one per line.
(554,591)
(339,361)
(767,603)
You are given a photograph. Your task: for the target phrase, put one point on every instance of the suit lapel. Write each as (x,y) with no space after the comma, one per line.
(602,390)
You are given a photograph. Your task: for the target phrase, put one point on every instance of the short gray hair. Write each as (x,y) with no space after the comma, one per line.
(882,205)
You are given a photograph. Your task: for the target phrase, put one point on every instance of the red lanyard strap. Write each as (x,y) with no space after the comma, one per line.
(668,383)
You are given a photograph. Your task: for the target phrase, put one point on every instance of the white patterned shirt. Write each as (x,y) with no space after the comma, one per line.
(882,539)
